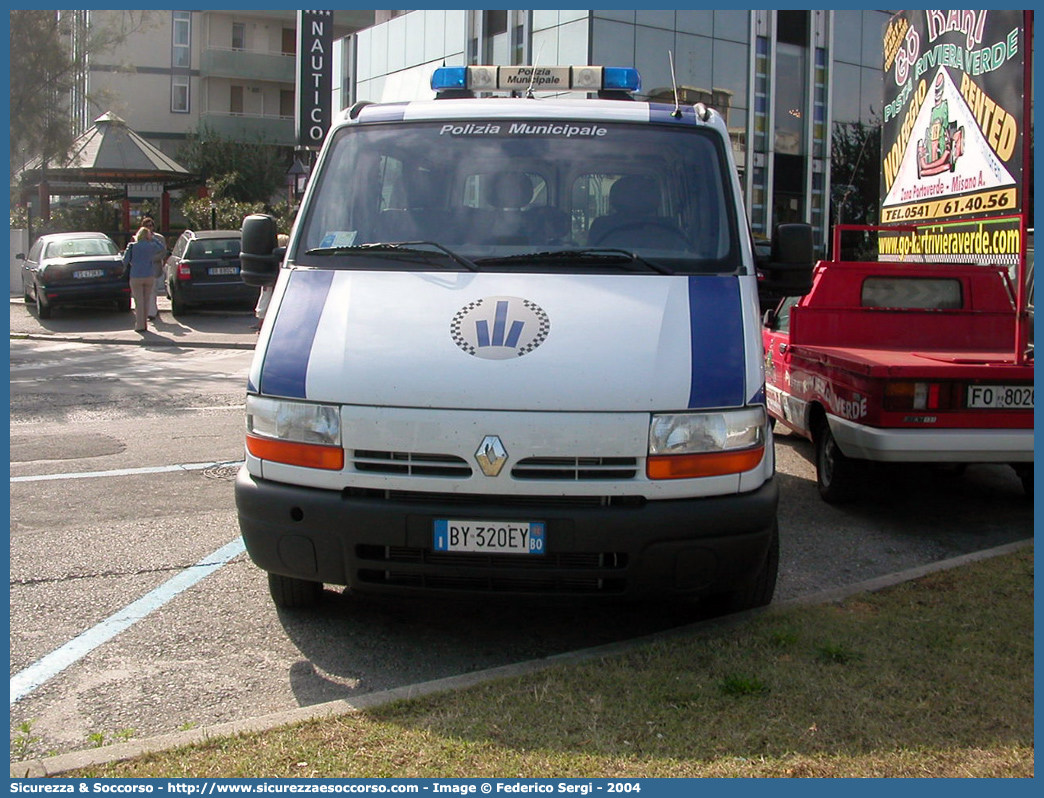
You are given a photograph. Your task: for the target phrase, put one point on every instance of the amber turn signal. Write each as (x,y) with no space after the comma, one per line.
(308,455)
(709,464)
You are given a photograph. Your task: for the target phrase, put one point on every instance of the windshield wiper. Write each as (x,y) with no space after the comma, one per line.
(593,255)
(408,250)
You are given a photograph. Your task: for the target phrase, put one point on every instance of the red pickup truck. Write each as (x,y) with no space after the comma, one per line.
(901,362)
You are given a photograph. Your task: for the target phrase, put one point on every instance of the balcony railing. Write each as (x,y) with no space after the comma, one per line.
(216,62)
(251,127)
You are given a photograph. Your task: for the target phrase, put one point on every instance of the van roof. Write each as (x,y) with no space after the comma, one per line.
(490,109)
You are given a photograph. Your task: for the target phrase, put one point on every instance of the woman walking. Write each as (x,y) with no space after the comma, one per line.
(140,255)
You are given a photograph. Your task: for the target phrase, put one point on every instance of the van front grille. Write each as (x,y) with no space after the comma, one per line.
(503,500)
(568,573)
(546,585)
(606,560)
(411,464)
(575,469)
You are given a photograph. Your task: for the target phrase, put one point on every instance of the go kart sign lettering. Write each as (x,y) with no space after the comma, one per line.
(953,133)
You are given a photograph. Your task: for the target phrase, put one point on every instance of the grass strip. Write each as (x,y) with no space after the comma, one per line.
(932,677)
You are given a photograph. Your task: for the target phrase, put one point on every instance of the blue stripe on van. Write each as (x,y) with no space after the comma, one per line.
(716,319)
(285,367)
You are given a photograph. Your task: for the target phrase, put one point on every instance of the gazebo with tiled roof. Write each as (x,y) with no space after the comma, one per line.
(103,161)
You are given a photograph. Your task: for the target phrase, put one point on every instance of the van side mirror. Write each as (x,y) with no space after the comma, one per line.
(259,255)
(787,271)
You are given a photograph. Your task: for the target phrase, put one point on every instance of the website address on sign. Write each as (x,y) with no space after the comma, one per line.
(952,242)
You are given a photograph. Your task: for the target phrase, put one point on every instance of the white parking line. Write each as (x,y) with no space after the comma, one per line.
(122,472)
(24,682)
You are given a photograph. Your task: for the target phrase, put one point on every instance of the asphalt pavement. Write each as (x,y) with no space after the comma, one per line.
(218,328)
(235,329)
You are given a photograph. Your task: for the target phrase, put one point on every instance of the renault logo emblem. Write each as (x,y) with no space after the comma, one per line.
(491,455)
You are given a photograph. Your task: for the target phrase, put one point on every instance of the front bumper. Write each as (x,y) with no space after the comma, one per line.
(686,547)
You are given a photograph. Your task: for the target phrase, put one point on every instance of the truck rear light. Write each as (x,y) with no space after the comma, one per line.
(902,395)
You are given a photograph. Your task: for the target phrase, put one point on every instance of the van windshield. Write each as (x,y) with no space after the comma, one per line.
(518,195)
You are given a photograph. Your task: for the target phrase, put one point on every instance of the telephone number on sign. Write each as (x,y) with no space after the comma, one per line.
(956,206)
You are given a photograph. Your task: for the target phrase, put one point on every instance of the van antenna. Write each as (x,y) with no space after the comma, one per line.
(674,83)
(532,74)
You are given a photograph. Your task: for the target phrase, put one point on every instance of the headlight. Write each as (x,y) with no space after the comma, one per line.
(295,433)
(689,445)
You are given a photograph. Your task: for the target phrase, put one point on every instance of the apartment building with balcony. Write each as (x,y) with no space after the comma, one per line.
(231,72)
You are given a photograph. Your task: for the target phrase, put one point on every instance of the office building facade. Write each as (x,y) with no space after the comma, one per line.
(783,79)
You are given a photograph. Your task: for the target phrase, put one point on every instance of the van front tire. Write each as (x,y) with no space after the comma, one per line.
(294,594)
(758,591)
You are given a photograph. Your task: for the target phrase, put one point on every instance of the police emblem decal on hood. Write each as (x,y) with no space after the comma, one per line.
(500,327)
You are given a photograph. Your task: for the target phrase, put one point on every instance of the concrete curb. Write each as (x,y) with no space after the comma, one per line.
(56,765)
(150,341)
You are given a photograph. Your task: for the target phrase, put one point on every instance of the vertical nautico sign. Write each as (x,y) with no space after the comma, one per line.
(314,76)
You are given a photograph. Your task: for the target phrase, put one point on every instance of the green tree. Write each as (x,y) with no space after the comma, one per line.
(49,55)
(219,211)
(252,171)
(855,173)
(855,190)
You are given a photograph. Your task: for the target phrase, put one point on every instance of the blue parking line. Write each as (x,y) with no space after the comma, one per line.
(37,674)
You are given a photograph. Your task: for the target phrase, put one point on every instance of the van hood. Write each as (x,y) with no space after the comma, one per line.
(502,341)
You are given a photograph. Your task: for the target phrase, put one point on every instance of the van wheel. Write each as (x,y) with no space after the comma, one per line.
(838,477)
(755,593)
(294,594)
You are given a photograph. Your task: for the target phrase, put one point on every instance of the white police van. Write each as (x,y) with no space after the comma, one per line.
(514,348)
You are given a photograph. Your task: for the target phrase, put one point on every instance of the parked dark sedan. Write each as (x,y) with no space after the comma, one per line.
(203,269)
(73,268)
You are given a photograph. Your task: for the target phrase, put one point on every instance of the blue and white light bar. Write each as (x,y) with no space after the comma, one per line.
(537,78)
